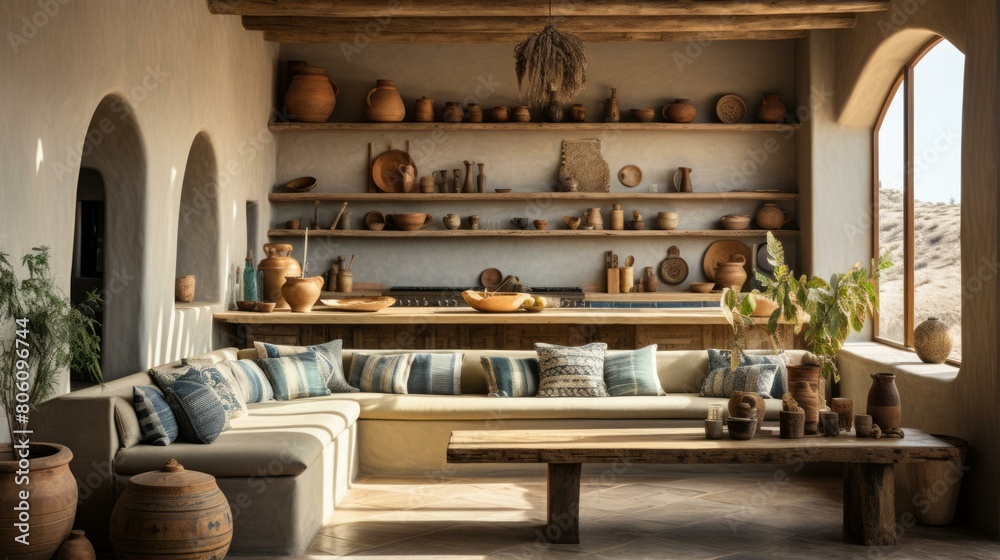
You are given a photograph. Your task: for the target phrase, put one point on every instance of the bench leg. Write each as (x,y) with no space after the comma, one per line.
(564,503)
(869,503)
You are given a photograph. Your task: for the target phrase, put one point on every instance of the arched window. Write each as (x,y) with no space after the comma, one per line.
(918,192)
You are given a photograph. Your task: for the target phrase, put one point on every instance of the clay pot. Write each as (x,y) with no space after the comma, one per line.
(680,111)
(191,514)
(830,423)
(452,113)
(735,221)
(772,110)
(500,114)
(741,428)
(883,401)
(311,98)
(731,274)
(554,112)
(932,341)
(302,293)
(791,424)
(772,216)
(184,289)
(713,428)
(384,103)
(845,409)
(540,224)
(617,220)
(643,115)
(473,113)
(650,282)
(427,184)
(452,221)
(423,110)
(683,183)
(53,495)
(667,220)
(578,113)
(804,381)
(76,547)
(276,266)
(862,425)
(593,217)
(521,114)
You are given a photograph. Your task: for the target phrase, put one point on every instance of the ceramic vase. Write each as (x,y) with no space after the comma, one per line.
(804,381)
(883,401)
(473,113)
(617,220)
(423,110)
(53,496)
(275,267)
(453,112)
(384,103)
(612,113)
(772,110)
(650,282)
(554,112)
(521,114)
(500,113)
(682,180)
(680,111)
(452,221)
(184,289)
(932,341)
(481,179)
(76,547)
(302,293)
(311,98)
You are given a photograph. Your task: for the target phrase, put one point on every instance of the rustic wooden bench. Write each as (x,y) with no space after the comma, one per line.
(869,509)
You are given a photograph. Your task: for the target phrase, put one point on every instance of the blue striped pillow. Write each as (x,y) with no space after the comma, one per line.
(757,378)
(386,373)
(199,412)
(329,361)
(252,381)
(722,359)
(511,377)
(435,374)
(294,377)
(632,372)
(156,420)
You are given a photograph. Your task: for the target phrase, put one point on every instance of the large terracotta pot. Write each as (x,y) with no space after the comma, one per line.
(50,509)
(384,103)
(731,274)
(171,513)
(302,293)
(806,386)
(76,547)
(883,401)
(311,98)
(277,265)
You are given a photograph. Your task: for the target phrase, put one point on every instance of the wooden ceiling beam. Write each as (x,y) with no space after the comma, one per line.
(618,24)
(513,38)
(536,8)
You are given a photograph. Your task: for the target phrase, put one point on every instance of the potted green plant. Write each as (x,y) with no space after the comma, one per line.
(827,310)
(42,333)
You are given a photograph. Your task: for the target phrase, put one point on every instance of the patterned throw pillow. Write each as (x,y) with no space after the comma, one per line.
(199,412)
(722,382)
(385,373)
(329,361)
(294,377)
(234,405)
(511,377)
(566,371)
(632,372)
(435,374)
(251,381)
(721,359)
(156,420)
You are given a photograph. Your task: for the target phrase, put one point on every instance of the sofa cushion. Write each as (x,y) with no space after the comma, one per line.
(251,381)
(511,377)
(632,372)
(199,412)
(294,377)
(758,379)
(722,359)
(435,374)
(386,373)
(567,371)
(329,361)
(276,439)
(127,422)
(156,419)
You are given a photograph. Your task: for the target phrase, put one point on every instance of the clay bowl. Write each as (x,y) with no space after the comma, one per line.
(409,221)
(734,221)
(502,191)
(302,184)
(702,287)
(265,306)
(244,305)
(376,226)
(572,222)
(644,115)
(741,428)
(494,302)
(540,224)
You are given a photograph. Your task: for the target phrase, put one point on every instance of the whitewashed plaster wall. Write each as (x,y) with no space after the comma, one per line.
(645,75)
(181,71)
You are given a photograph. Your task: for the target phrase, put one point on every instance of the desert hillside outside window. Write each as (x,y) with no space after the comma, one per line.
(918,196)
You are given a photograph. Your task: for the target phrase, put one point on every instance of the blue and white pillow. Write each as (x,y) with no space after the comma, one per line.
(722,359)
(294,377)
(156,421)
(722,382)
(234,405)
(329,361)
(381,373)
(568,371)
(632,373)
(251,381)
(435,374)
(511,377)
(199,412)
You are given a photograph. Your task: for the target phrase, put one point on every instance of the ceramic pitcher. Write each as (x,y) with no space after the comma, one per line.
(683,184)
(384,103)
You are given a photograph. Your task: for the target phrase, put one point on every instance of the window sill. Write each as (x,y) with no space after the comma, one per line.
(894,360)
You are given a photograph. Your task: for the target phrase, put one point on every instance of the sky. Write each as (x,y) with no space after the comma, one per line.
(937,110)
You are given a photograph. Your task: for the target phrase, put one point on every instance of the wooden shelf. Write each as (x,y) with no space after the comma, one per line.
(653,297)
(521,196)
(364,233)
(537,126)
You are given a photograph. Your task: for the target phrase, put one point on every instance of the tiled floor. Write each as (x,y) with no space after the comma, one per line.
(678,514)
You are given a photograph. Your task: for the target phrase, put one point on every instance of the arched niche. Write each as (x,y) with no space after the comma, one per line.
(113,148)
(198,222)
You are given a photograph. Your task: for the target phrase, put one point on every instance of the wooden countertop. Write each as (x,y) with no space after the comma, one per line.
(464,315)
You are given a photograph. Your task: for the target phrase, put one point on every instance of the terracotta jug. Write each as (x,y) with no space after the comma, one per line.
(806,386)
(423,110)
(384,103)
(76,547)
(684,183)
(772,216)
(311,97)
(612,113)
(772,110)
(277,264)
(883,401)
(731,273)
(302,293)
(680,111)
(409,175)
(453,112)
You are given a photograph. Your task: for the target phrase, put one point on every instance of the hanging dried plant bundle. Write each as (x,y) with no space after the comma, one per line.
(555,65)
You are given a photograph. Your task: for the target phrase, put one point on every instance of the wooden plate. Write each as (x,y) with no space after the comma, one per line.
(731,109)
(673,269)
(374,217)
(725,250)
(630,176)
(385,170)
(359,304)
(491,278)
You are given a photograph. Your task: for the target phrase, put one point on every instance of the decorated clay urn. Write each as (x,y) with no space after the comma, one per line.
(276,266)
(52,507)
(384,103)
(932,341)
(312,96)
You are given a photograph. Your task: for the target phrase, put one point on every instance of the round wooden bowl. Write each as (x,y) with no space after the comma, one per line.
(244,305)
(302,184)
(702,287)
(265,306)
(734,221)
(494,302)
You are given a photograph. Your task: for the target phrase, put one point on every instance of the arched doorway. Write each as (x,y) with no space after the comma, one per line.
(88,244)
(113,150)
(198,222)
